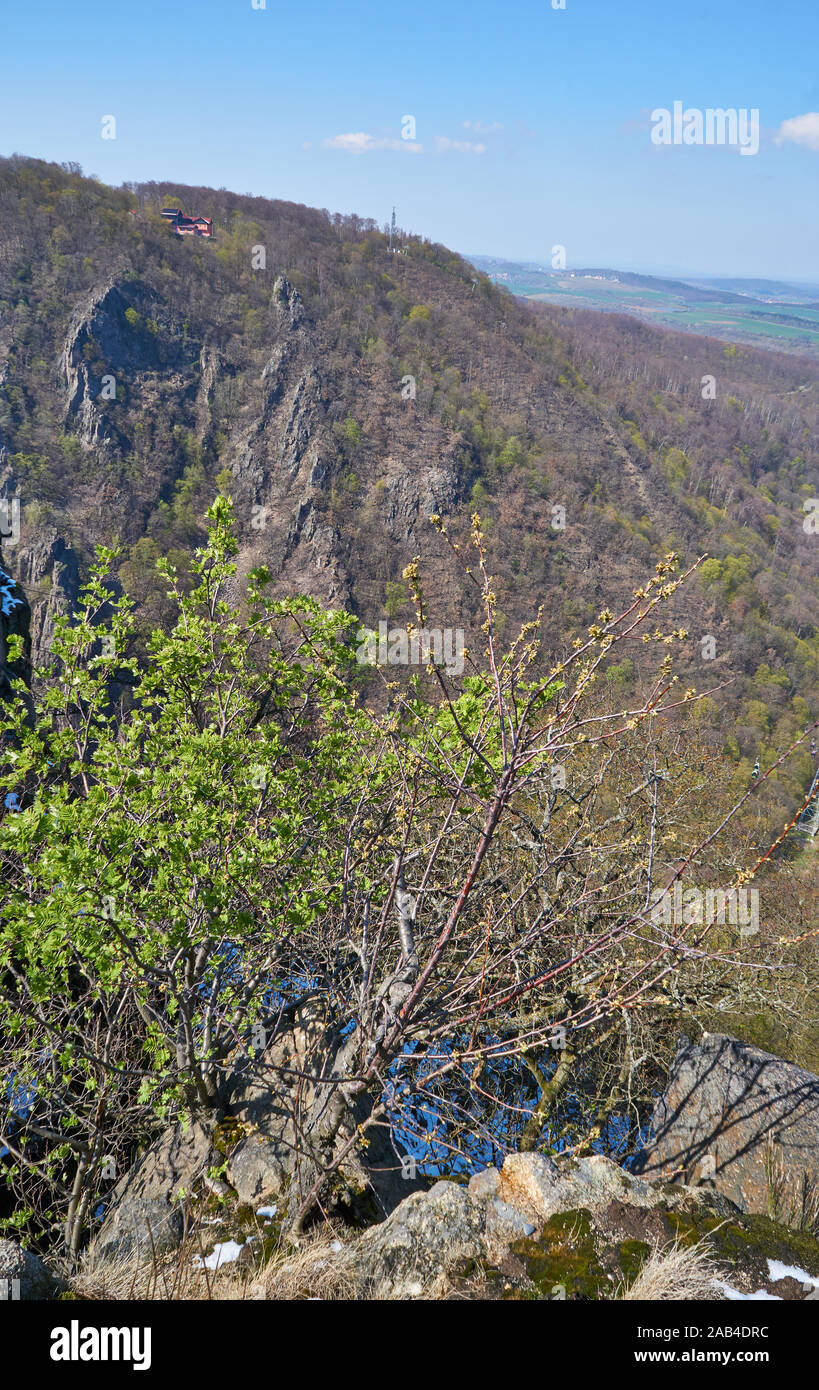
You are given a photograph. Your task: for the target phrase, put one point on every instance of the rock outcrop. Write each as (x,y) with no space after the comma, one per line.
(23,1275)
(268,1142)
(286,460)
(427,1235)
(278,1107)
(453,1226)
(48,571)
(583,1227)
(743,1122)
(570,1229)
(148,1209)
(115,332)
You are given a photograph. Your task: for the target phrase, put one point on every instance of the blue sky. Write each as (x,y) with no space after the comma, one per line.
(532,124)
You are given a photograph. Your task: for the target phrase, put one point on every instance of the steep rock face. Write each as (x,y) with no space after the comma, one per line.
(289,466)
(285,460)
(211,366)
(122,330)
(740,1120)
(122,338)
(48,570)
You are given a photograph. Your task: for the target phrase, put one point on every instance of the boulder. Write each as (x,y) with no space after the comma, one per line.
(426,1235)
(23,1276)
(258,1168)
(147,1208)
(596,1252)
(741,1121)
(542,1187)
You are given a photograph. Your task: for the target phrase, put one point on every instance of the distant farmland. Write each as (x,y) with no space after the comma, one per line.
(787,318)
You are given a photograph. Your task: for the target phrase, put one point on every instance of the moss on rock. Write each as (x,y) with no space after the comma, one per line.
(227,1134)
(747,1241)
(632,1255)
(563,1260)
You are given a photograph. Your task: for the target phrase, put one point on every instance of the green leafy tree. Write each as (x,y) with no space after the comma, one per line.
(172,845)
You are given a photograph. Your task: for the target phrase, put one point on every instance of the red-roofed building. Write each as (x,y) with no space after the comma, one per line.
(188,226)
(193,226)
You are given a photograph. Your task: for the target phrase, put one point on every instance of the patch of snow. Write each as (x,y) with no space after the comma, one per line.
(267,1211)
(779,1271)
(734,1294)
(223,1253)
(335,1245)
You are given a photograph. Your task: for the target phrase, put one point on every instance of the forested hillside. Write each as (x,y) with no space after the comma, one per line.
(343,394)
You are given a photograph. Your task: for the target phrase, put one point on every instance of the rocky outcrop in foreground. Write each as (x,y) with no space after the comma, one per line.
(571,1229)
(535,1229)
(273,1115)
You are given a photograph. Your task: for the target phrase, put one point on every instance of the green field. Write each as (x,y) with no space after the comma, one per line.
(790,325)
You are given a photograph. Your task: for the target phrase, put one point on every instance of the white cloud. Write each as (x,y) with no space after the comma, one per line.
(800,130)
(444,144)
(360,143)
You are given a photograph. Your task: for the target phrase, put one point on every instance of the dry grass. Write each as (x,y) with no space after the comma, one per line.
(674,1273)
(319,1271)
(167,1278)
(326,1267)
(793,1203)
(313,1271)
